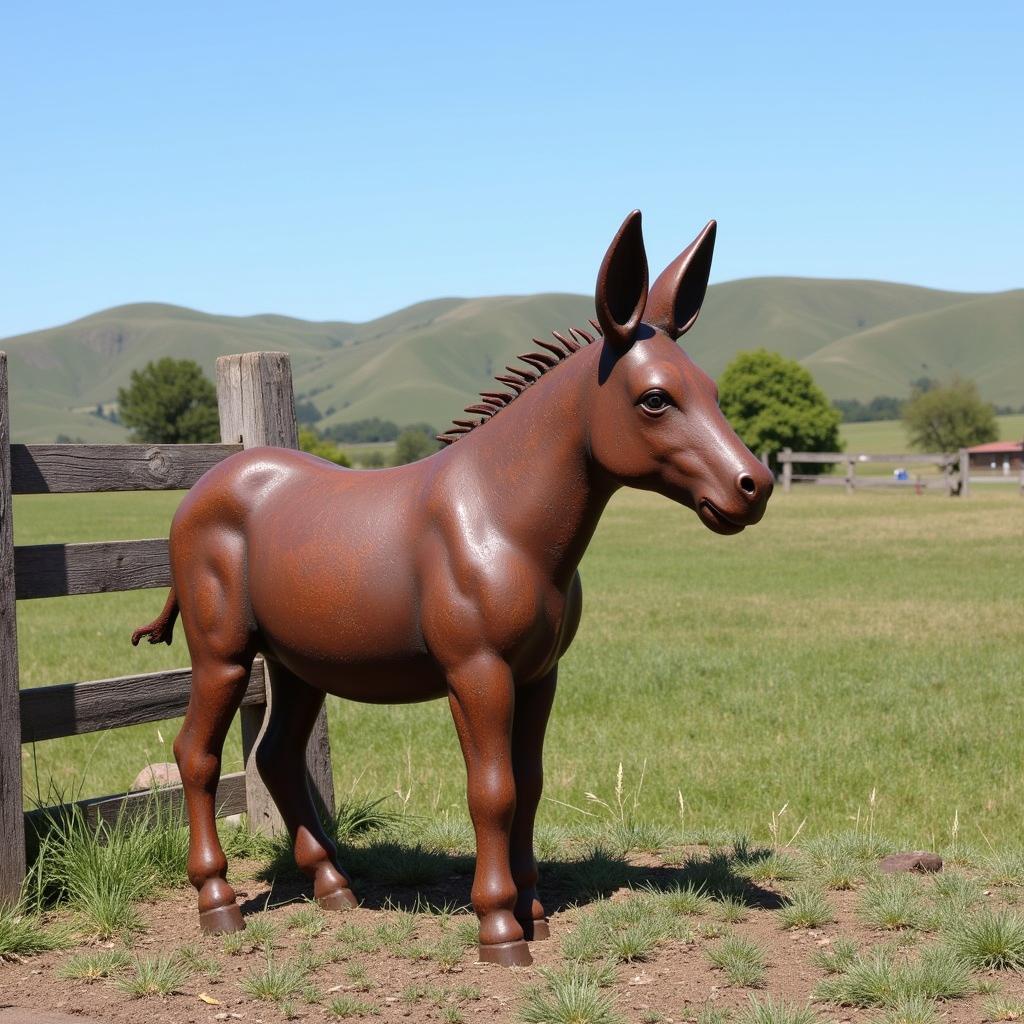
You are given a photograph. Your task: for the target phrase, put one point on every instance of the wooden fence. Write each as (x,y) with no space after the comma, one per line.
(257,407)
(954,473)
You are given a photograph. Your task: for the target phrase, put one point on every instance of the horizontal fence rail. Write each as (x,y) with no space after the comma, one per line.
(84,468)
(59,570)
(954,467)
(168,802)
(72,709)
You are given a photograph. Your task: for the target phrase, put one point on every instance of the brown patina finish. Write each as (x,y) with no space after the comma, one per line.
(451,577)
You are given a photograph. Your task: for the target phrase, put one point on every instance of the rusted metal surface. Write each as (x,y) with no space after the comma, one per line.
(454,577)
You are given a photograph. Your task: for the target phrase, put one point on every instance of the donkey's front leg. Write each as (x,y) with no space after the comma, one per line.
(482,697)
(533,706)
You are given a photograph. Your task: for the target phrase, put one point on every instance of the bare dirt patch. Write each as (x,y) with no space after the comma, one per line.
(418,966)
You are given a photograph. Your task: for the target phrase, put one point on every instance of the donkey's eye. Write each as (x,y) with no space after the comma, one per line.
(655,402)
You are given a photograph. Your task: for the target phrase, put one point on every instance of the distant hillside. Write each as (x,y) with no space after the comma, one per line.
(425,362)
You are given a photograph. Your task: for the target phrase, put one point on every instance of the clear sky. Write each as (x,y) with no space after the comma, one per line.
(340,160)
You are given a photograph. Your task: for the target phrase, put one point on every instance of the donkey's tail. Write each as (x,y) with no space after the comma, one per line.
(162,627)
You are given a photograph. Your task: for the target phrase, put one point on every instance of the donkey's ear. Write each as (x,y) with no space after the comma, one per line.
(679,291)
(622,285)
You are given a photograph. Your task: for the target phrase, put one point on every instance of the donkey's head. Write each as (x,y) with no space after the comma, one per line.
(656,422)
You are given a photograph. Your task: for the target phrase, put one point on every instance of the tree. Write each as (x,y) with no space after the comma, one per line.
(946,417)
(170,402)
(413,444)
(773,403)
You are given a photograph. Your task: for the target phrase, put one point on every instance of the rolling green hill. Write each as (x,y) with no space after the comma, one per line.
(425,362)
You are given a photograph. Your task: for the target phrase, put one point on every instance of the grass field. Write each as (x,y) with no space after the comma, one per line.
(846,645)
(889,437)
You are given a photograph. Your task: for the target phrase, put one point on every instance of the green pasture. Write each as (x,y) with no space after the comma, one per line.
(889,437)
(845,646)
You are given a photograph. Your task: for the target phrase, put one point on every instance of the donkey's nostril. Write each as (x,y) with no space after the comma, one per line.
(747,485)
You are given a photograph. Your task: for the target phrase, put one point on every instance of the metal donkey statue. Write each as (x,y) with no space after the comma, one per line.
(451,577)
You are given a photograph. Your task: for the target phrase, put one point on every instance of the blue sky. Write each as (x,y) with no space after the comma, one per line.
(338,161)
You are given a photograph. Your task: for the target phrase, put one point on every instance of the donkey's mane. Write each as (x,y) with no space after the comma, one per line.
(540,362)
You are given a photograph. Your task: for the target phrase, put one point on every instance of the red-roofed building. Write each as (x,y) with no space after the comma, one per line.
(1002,456)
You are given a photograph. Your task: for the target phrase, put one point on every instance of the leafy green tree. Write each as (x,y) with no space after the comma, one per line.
(170,402)
(413,444)
(945,417)
(310,441)
(773,403)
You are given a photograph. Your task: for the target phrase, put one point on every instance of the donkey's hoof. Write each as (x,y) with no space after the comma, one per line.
(536,931)
(507,954)
(222,919)
(340,899)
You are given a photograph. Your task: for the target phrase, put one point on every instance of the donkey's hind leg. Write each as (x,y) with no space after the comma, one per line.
(281,760)
(217,690)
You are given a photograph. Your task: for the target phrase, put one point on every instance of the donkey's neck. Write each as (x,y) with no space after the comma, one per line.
(531,467)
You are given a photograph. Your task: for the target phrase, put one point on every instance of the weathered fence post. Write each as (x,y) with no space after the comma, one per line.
(257,407)
(787,471)
(851,485)
(12,818)
(965,473)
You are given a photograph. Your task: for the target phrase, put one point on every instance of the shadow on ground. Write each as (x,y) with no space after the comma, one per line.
(388,874)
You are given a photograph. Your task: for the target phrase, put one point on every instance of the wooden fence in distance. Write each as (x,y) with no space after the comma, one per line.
(954,475)
(256,404)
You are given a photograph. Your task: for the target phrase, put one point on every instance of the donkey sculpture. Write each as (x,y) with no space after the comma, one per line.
(451,577)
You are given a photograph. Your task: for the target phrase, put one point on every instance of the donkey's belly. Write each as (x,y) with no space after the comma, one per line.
(397,681)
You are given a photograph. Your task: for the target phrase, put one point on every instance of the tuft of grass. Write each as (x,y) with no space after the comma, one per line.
(359,977)
(1004,869)
(600,974)
(154,976)
(769,866)
(689,900)
(957,892)
(197,960)
(571,995)
(837,957)
(260,931)
(103,870)
(448,951)
(636,942)
(595,874)
(711,1014)
(587,942)
(90,967)
(393,863)
(999,1007)
(359,816)
(276,981)
(731,909)
(349,1006)
(808,907)
(396,933)
(741,960)
(308,920)
(989,939)
(768,1011)
(914,1009)
(880,979)
(21,935)
(355,939)
(626,931)
(893,902)
(448,834)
